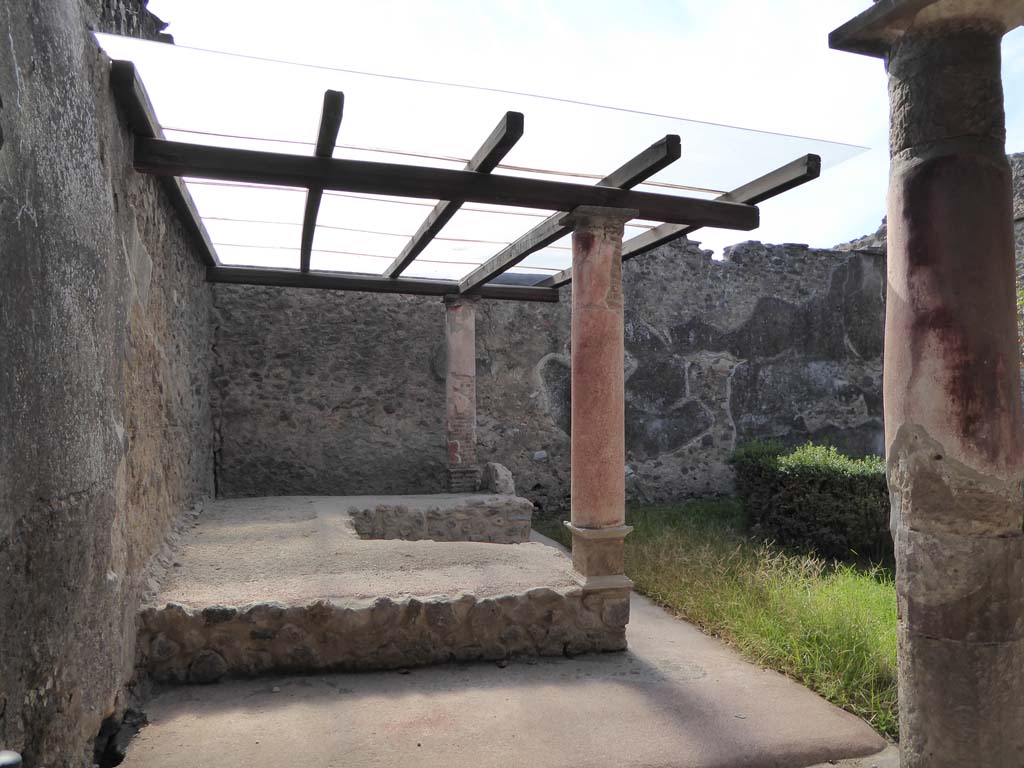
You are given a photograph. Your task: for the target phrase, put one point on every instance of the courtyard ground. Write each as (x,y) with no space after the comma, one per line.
(676,698)
(832,628)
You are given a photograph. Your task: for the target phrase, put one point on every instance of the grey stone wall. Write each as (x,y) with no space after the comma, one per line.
(106,431)
(338,393)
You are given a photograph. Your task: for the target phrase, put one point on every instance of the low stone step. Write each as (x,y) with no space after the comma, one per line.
(200,645)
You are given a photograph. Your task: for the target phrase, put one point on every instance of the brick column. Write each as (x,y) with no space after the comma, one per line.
(598,459)
(460,389)
(953,422)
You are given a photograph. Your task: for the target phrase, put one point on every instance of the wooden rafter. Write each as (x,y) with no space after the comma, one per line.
(492,151)
(327,137)
(773,183)
(131,97)
(168,158)
(350,281)
(643,166)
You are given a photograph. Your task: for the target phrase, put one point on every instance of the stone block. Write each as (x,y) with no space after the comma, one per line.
(497,478)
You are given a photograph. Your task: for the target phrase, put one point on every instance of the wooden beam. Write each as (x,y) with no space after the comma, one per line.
(641,167)
(773,183)
(131,97)
(327,137)
(351,281)
(168,158)
(502,139)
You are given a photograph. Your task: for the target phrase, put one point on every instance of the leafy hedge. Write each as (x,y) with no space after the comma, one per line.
(815,499)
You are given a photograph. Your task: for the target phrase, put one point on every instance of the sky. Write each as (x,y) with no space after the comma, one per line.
(759,65)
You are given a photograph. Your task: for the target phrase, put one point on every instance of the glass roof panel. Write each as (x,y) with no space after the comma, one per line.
(228,100)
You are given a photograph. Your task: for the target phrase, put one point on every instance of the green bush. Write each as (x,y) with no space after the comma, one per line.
(815,499)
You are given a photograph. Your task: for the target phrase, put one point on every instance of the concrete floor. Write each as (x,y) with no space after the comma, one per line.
(298,549)
(676,698)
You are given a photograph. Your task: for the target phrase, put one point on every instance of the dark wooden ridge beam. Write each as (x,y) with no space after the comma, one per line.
(168,158)
(641,167)
(327,137)
(351,281)
(502,139)
(773,183)
(131,97)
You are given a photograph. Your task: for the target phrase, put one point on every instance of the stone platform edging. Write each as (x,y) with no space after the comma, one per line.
(496,519)
(185,645)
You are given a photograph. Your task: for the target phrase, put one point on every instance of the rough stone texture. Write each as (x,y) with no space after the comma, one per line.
(106,432)
(318,392)
(460,393)
(497,478)
(287,584)
(953,413)
(775,341)
(445,517)
(328,392)
(1017,169)
(384,633)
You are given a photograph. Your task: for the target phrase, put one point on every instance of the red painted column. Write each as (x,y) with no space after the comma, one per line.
(598,421)
(954,429)
(460,389)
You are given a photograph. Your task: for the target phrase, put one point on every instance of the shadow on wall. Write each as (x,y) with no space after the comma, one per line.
(317,392)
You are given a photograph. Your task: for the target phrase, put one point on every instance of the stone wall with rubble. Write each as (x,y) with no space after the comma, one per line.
(323,392)
(104,401)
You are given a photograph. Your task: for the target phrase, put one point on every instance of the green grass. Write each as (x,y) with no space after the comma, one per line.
(831,627)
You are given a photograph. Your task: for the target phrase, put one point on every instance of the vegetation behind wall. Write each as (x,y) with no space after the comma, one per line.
(814,499)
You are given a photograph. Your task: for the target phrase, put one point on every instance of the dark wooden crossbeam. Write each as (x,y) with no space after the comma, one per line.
(641,167)
(773,183)
(327,137)
(168,158)
(502,139)
(131,97)
(350,281)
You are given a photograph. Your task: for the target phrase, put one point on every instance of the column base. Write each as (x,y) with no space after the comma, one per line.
(595,583)
(598,556)
(464,480)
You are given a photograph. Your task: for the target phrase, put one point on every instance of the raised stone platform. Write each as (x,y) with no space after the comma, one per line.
(287,584)
(492,518)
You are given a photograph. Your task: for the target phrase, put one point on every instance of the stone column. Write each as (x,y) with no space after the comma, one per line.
(953,421)
(598,458)
(460,393)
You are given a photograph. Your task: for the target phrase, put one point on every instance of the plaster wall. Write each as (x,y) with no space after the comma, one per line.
(105,428)
(342,393)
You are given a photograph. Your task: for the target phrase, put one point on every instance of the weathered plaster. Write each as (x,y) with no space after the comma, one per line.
(104,387)
(317,392)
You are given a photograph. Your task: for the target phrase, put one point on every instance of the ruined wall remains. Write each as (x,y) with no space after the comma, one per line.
(322,392)
(104,397)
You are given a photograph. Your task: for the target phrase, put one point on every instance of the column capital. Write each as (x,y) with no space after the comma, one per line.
(459,299)
(597,215)
(875,31)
